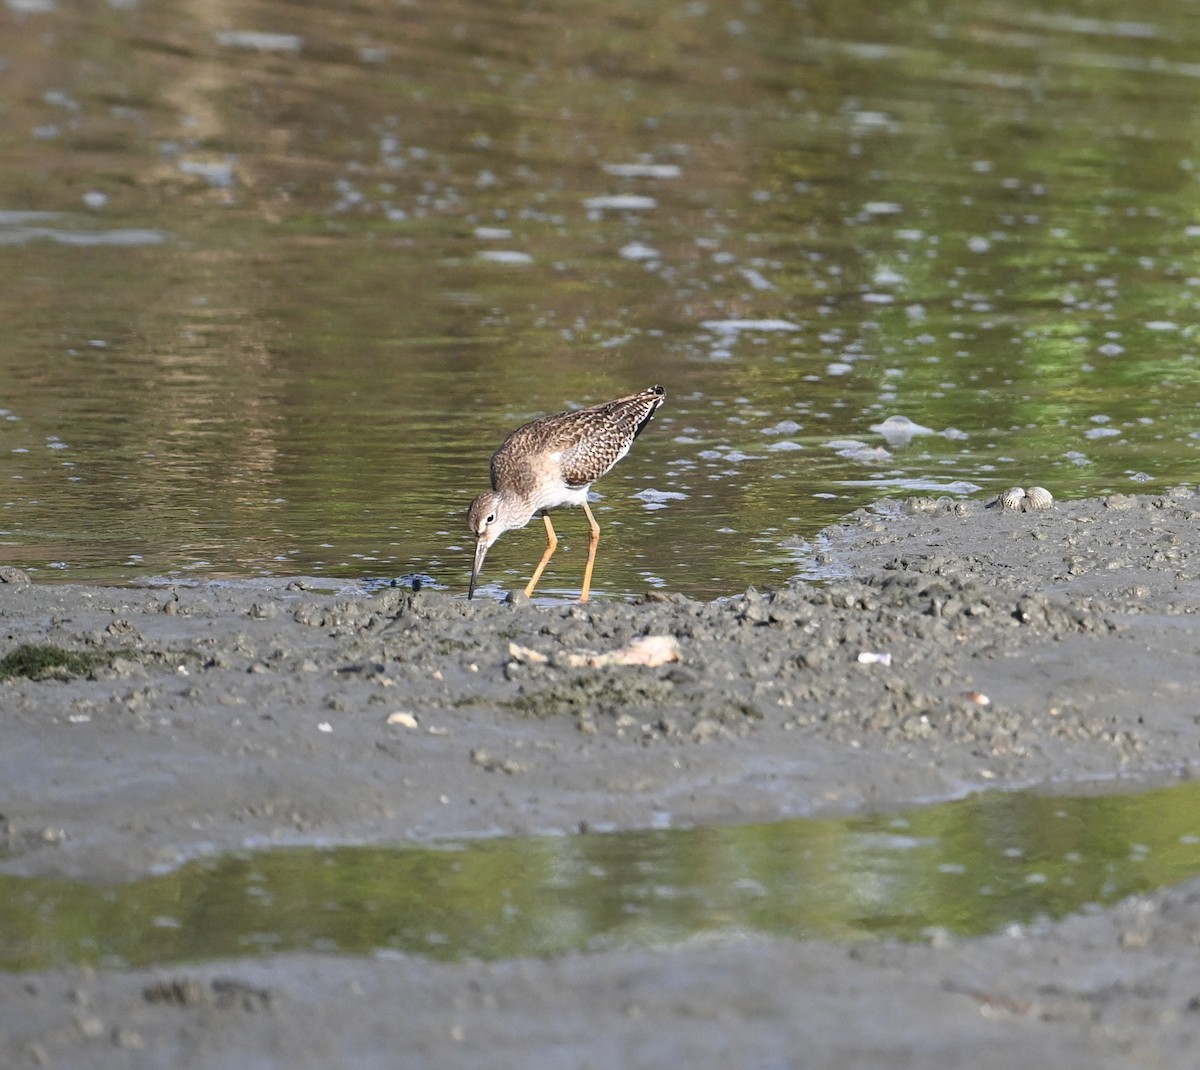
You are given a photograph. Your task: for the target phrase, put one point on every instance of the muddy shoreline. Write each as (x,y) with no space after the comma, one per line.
(962,648)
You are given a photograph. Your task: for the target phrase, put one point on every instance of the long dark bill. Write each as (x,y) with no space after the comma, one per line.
(480,553)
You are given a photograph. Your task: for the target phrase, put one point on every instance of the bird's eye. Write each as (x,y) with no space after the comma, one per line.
(491,518)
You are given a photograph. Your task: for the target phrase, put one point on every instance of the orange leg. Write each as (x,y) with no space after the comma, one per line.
(551,546)
(593,542)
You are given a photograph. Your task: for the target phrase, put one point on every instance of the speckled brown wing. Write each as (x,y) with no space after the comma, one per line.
(588,441)
(596,439)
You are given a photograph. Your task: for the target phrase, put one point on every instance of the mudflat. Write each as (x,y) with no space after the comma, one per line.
(948,647)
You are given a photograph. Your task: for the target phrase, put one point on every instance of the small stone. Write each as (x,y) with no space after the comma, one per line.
(919,504)
(1120,502)
(230,992)
(90,1025)
(485,761)
(813,658)
(130,1039)
(706,729)
(182,991)
(125,667)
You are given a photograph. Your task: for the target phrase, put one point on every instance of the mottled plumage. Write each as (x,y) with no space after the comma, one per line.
(553,461)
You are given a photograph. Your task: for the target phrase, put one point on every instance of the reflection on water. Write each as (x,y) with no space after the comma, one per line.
(279,277)
(969,867)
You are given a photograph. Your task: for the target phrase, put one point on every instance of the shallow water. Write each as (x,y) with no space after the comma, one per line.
(279,277)
(970,867)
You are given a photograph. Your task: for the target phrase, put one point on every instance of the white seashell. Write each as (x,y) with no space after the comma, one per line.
(1013,498)
(402,718)
(1038,498)
(871,657)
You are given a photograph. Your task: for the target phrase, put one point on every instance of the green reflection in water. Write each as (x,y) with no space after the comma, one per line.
(969,866)
(981,217)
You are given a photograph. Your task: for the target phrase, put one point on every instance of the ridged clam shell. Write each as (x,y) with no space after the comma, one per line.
(1013,498)
(1038,498)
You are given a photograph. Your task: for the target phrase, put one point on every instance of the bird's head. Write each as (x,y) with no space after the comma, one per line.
(490,516)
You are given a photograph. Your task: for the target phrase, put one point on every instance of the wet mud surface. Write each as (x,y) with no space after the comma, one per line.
(959,648)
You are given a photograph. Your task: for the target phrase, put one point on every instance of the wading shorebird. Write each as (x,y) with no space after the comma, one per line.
(554,461)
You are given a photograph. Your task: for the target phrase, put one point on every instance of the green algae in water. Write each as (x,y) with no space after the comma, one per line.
(971,867)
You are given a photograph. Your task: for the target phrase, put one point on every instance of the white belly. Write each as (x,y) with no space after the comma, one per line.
(552,497)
